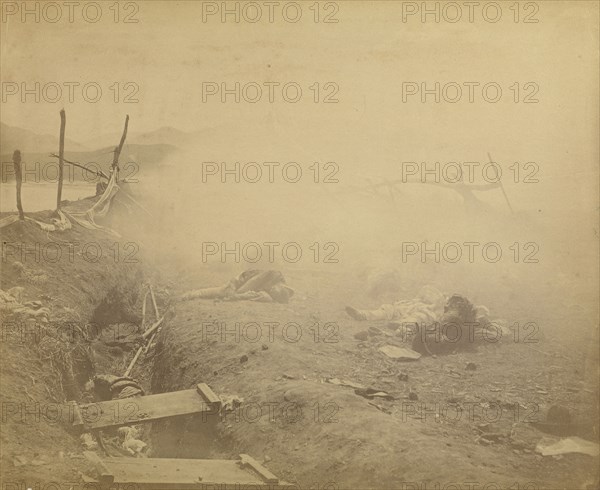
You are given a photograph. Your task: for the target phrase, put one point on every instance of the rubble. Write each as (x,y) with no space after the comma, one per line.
(400,353)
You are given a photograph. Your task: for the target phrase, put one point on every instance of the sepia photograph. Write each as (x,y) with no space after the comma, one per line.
(300,245)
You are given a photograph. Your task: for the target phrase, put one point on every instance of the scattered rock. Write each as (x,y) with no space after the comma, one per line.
(400,353)
(343,382)
(551,447)
(265,347)
(20,461)
(412,395)
(373,331)
(243,359)
(266,459)
(471,366)
(371,393)
(364,335)
(403,377)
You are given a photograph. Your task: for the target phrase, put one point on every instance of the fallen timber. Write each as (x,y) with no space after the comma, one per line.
(128,411)
(181,474)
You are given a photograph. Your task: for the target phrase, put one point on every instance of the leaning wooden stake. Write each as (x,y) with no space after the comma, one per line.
(152,330)
(133,361)
(19,177)
(149,344)
(115,163)
(144,309)
(147,333)
(154,303)
(61,158)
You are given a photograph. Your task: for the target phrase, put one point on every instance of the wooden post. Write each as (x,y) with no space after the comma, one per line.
(115,163)
(61,158)
(133,361)
(19,177)
(156,315)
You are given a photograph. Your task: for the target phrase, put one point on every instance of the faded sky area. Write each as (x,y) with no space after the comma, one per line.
(368,54)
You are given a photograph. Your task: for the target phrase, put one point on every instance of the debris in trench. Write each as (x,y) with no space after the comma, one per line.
(88,441)
(131,443)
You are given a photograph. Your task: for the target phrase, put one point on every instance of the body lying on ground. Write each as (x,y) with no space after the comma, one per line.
(251,285)
(433,323)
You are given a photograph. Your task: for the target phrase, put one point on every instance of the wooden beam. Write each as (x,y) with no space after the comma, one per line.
(147,333)
(184,474)
(19,177)
(144,409)
(61,158)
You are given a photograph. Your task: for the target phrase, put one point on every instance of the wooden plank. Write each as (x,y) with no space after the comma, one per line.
(208,395)
(265,474)
(166,473)
(127,411)
(104,473)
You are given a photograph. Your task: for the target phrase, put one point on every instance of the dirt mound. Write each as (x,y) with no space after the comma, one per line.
(73,276)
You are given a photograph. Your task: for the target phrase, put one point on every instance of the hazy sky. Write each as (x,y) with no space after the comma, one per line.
(368,54)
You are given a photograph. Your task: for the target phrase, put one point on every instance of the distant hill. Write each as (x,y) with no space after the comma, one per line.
(165,135)
(13,138)
(144,157)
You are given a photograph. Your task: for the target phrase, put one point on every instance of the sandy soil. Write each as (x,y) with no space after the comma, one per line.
(442,425)
(315,433)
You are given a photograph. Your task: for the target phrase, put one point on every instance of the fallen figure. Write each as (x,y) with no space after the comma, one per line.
(434,324)
(251,285)
(110,387)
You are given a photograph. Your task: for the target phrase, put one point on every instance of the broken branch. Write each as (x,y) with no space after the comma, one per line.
(99,173)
